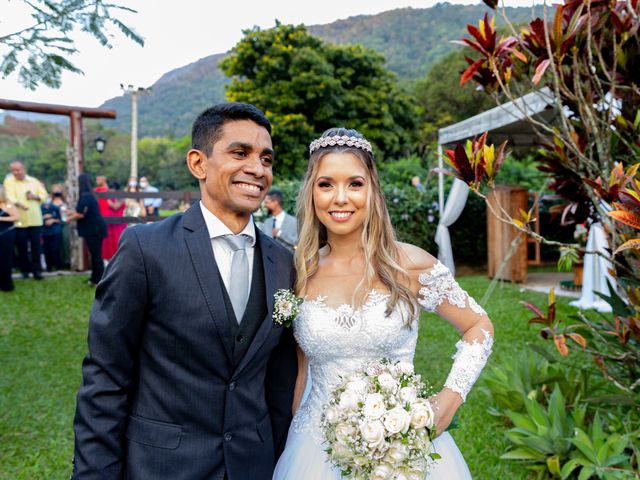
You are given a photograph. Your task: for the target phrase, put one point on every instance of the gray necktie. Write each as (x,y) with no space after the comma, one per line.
(238,284)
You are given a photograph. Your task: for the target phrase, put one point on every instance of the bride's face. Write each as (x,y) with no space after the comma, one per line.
(340,193)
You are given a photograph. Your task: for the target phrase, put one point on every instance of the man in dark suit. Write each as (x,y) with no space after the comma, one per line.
(279,225)
(187,376)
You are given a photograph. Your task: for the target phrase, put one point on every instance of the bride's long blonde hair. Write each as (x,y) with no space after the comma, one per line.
(381,253)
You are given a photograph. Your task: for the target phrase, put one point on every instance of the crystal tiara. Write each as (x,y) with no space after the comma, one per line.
(340,140)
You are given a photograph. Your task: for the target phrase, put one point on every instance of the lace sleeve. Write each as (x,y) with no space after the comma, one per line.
(438,286)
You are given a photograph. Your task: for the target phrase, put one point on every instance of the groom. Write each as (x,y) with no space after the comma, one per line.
(187,376)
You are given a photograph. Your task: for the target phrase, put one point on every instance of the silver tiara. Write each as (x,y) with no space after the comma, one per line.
(340,140)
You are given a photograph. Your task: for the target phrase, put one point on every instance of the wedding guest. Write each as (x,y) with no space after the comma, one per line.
(26,193)
(417,184)
(8,217)
(151,205)
(91,226)
(279,225)
(102,186)
(52,235)
(133,207)
(58,199)
(115,208)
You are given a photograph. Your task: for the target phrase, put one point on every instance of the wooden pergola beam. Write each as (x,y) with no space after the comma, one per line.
(55,109)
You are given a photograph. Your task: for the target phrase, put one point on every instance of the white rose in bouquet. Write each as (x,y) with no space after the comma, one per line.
(415,475)
(401,476)
(387,382)
(397,420)
(331,414)
(373,433)
(404,367)
(408,394)
(341,451)
(374,405)
(421,414)
(345,432)
(396,453)
(382,472)
(357,386)
(348,400)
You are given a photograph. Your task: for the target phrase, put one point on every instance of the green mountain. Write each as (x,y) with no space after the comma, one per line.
(411,39)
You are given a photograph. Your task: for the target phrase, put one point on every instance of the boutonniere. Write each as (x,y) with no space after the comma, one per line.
(286,307)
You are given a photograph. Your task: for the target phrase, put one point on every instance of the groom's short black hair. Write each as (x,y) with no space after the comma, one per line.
(207,128)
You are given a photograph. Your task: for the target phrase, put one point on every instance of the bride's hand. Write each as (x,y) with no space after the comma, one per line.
(445,405)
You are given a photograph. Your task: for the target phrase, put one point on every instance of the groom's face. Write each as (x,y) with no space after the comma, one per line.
(237,174)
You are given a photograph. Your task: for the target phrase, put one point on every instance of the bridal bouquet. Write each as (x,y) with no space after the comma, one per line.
(379,424)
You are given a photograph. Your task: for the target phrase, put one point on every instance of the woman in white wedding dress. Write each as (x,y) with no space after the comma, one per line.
(363,291)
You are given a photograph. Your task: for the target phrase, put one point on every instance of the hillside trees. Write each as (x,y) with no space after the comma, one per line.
(443,101)
(306,86)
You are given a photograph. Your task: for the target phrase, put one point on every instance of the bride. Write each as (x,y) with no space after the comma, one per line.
(363,291)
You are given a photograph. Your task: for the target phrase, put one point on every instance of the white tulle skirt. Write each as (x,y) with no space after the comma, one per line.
(304,459)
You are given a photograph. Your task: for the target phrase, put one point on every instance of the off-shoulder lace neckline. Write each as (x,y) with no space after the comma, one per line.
(374,298)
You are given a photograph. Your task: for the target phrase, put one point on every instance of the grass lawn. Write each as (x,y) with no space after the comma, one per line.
(43,328)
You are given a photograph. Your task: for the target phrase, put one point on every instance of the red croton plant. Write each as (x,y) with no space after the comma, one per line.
(586,53)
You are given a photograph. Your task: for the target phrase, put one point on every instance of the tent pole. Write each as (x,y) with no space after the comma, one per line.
(440,182)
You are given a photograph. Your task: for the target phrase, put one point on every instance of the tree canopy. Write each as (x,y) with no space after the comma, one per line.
(40,52)
(306,86)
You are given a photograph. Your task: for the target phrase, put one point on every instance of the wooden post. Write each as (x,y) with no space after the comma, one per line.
(507,247)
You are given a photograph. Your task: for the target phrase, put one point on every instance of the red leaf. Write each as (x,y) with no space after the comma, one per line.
(462,165)
(470,72)
(540,69)
(540,320)
(537,311)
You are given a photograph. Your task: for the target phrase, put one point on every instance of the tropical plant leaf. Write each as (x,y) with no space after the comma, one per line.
(540,69)
(561,344)
(634,244)
(627,218)
(579,339)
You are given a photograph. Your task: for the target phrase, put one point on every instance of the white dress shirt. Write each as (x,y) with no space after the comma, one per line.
(221,250)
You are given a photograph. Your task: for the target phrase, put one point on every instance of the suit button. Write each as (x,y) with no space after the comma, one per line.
(232,386)
(228,436)
(239,338)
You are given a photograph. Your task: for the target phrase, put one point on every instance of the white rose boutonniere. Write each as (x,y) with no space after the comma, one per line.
(286,307)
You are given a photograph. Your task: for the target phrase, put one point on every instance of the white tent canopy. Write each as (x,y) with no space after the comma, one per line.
(504,122)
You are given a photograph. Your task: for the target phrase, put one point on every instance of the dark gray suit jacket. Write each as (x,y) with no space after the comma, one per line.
(161,396)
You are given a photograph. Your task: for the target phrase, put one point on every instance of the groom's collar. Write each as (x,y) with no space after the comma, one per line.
(217,228)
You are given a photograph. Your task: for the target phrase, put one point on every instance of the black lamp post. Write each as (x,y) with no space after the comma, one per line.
(100,143)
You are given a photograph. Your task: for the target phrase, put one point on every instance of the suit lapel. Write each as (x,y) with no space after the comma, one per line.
(269,264)
(201,253)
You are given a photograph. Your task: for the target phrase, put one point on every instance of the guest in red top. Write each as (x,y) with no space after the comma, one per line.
(110,207)
(102,186)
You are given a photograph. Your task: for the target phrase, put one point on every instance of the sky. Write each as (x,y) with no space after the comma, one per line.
(176,33)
